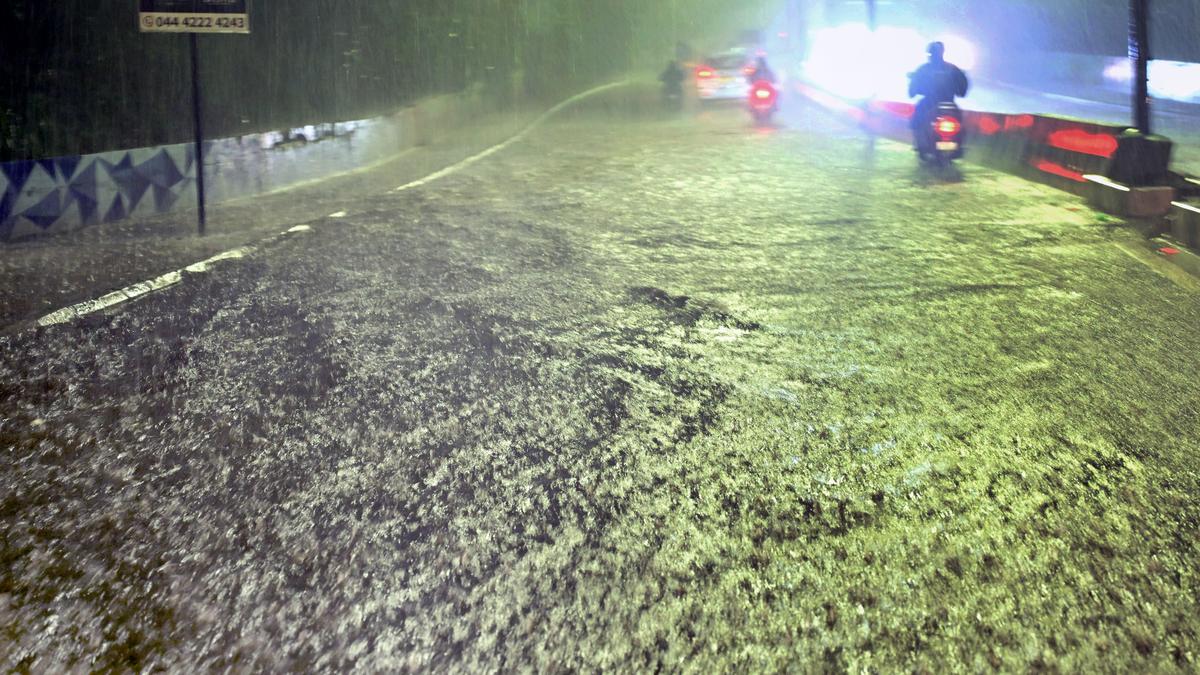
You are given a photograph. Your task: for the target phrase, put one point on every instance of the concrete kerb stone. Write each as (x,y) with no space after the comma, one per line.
(1150,202)
(1107,195)
(1185,224)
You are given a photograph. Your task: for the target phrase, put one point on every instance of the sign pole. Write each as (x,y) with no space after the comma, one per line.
(1139,54)
(199,129)
(192,17)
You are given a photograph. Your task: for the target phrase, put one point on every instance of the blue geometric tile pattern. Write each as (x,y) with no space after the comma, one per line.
(64,193)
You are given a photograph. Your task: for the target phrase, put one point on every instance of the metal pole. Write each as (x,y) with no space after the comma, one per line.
(867,121)
(675,25)
(199,129)
(1139,54)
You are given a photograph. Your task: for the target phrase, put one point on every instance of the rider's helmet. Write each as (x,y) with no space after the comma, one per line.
(936,51)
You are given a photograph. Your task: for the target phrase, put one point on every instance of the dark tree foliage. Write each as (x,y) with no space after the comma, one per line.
(76,76)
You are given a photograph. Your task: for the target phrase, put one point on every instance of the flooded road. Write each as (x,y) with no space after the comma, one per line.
(633,392)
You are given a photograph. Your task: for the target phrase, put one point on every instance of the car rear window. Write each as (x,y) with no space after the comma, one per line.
(727,62)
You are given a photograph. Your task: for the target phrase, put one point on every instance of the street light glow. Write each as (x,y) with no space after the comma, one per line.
(876,66)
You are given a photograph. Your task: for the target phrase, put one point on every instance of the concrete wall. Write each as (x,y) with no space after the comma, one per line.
(41,197)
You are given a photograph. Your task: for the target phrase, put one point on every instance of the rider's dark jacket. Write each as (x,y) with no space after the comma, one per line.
(672,80)
(937,82)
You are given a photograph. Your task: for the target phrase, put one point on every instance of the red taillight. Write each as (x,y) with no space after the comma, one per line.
(704,72)
(762,94)
(947,127)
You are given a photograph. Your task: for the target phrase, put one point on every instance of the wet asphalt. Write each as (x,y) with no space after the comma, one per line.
(643,391)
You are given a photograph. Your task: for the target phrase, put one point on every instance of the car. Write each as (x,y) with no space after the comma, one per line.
(723,76)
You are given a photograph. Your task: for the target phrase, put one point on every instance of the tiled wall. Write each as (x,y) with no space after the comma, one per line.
(47,196)
(63,193)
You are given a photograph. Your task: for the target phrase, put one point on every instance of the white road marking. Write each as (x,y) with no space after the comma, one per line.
(315,181)
(115,298)
(171,278)
(136,290)
(455,168)
(227,255)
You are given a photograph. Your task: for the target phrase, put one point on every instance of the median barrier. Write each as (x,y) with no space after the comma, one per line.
(1141,160)
(993,139)
(998,140)
(1118,170)
(1063,152)
(890,119)
(1059,151)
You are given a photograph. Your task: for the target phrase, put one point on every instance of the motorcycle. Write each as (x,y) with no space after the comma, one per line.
(672,98)
(764,101)
(942,141)
(672,87)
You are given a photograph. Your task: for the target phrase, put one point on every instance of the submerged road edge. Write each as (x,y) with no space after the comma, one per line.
(143,288)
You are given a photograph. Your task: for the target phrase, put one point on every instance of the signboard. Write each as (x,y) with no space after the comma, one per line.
(193,16)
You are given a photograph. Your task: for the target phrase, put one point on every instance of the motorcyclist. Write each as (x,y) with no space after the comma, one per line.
(761,73)
(672,81)
(937,81)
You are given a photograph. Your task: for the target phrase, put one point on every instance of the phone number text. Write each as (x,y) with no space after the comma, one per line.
(215,23)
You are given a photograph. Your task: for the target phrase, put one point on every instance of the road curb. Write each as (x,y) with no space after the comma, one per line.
(1109,196)
(1185,224)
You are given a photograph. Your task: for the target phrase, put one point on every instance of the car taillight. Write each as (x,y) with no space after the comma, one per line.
(947,127)
(762,94)
(703,72)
